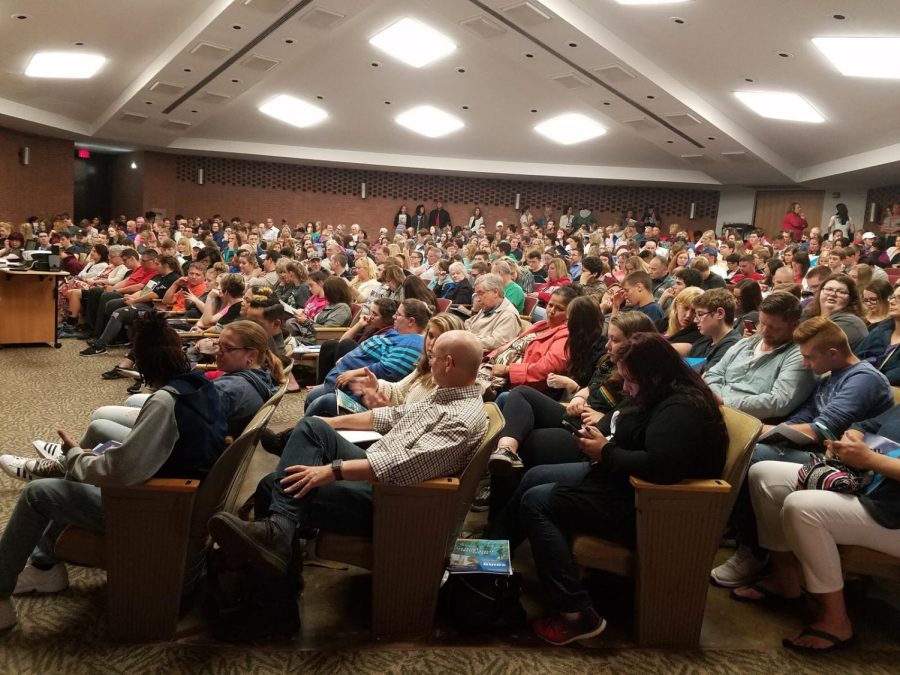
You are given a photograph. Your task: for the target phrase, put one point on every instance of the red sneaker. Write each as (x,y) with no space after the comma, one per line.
(558,630)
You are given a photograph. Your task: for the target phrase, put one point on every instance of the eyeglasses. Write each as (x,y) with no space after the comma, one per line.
(894,298)
(228,348)
(699,316)
(870,301)
(835,291)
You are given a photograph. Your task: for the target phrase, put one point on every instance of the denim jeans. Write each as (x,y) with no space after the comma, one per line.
(530,513)
(317,392)
(43,510)
(344,507)
(323,406)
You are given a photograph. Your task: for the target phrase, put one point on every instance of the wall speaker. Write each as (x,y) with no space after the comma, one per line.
(25,155)
(200,176)
(693,211)
(362,190)
(872,208)
(518,201)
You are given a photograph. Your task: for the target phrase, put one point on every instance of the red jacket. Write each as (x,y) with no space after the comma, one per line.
(545,290)
(794,224)
(545,354)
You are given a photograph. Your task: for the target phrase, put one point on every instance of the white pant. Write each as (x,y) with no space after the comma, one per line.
(812,523)
(113,422)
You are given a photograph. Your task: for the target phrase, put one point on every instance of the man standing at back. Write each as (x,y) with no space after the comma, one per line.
(439,217)
(325,482)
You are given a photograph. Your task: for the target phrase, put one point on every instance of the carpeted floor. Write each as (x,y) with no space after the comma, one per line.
(42,389)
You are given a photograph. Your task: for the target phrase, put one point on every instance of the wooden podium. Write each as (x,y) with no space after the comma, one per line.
(28,307)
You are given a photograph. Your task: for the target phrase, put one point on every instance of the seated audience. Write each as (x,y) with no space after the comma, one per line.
(764,375)
(324,482)
(879,347)
(292,288)
(364,279)
(495,321)
(102,301)
(714,315)
(180,432)
(379,321)
(876,303)
(457,289)
(511,290)
(636,293)
(679,327)
(336,312)
(852,391)
(838,299)
(669,429)
(807,526)
(390,356)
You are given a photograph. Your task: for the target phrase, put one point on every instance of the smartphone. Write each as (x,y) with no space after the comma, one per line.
(571,428)
(749,326)
(826,432)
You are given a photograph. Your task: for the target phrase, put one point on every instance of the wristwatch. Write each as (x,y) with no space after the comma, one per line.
(336,469)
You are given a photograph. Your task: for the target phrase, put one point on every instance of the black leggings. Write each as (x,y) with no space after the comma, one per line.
(331,351)
(535,420)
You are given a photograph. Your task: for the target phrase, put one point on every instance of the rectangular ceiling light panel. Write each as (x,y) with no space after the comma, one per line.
(429,121)
(778,105)
(570,128)
(65,65)
(412,42)
(293,111)
(863,56)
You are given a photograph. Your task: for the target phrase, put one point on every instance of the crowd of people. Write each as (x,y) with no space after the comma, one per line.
(609,347)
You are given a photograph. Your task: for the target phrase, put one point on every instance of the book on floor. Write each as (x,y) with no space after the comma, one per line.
(480,555)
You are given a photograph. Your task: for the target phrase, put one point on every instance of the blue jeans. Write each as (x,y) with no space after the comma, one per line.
(315,393)
(43,510)
(323,406)
(344,507)
(530,513)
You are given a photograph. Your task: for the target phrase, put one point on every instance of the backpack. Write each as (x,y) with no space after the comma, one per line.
(201,427)
(483,602)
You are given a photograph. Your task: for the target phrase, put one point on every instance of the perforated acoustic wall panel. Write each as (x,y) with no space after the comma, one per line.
(255,189)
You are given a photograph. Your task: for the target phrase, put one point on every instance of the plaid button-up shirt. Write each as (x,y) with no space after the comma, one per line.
(434,437)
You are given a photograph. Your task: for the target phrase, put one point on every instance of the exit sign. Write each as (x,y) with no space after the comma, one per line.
(84,154)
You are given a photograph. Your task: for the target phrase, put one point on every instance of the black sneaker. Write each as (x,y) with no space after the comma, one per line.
(482,499)
(503,462)
(93,350)
(135,388)
(113,374)
(273,442)
(261,544)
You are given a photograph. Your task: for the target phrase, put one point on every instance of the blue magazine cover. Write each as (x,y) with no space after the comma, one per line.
(480,555)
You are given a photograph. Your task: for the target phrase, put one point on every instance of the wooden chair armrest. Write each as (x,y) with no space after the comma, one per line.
(439,484)
(165,485)
(716,485)
(331,330)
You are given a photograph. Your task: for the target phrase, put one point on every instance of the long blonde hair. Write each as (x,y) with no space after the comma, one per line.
(254,337)
(685,298)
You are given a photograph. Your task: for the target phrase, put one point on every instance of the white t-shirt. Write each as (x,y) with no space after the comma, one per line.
(834,225)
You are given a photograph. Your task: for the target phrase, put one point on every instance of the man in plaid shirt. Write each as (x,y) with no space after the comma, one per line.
(324,481)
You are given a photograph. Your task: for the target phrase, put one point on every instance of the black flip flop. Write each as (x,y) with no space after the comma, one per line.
(836,642)
(767,597)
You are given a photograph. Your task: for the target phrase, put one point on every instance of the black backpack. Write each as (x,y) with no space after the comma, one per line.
(483,602)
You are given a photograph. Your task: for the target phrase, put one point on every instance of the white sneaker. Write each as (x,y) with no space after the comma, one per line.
(29,469)
(49,450)
(740,569)
(8,615)
(33,580)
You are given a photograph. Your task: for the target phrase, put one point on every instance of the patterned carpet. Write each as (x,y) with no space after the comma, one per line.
(44,389)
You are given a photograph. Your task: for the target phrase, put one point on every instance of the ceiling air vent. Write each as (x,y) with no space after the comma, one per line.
(640,124)
(682,120)
(737,156)
(260,64)
(614,73)
(207,50)
(483,27)
(165,88)
(212,97)
(132,118)
(175,125)
(317,17)
(570,81)
(269,6)
(526,14)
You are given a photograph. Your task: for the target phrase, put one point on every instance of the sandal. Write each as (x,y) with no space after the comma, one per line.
(836,642)
(767,597)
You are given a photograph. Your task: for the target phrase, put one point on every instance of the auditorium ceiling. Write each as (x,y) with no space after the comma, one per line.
(187,76)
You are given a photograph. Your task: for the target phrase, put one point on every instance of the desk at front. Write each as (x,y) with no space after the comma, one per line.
(28,307)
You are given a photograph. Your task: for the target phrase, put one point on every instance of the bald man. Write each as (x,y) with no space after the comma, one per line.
(323,481)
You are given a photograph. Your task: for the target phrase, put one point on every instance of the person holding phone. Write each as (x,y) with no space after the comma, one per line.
(668,428)
(854,390)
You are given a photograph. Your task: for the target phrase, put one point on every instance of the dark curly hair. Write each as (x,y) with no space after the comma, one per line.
(158,354)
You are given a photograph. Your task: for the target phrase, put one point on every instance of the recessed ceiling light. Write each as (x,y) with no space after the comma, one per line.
(838,17)
(429,121)
(293,111)
(529,55)
(779,106)
(678,20)
(413,42)
(65,65)
(570,128)
(21,17)
(862,56)
(648,2)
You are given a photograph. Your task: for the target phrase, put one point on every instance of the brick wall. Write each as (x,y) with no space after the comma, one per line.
(43,188)
(255,190)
